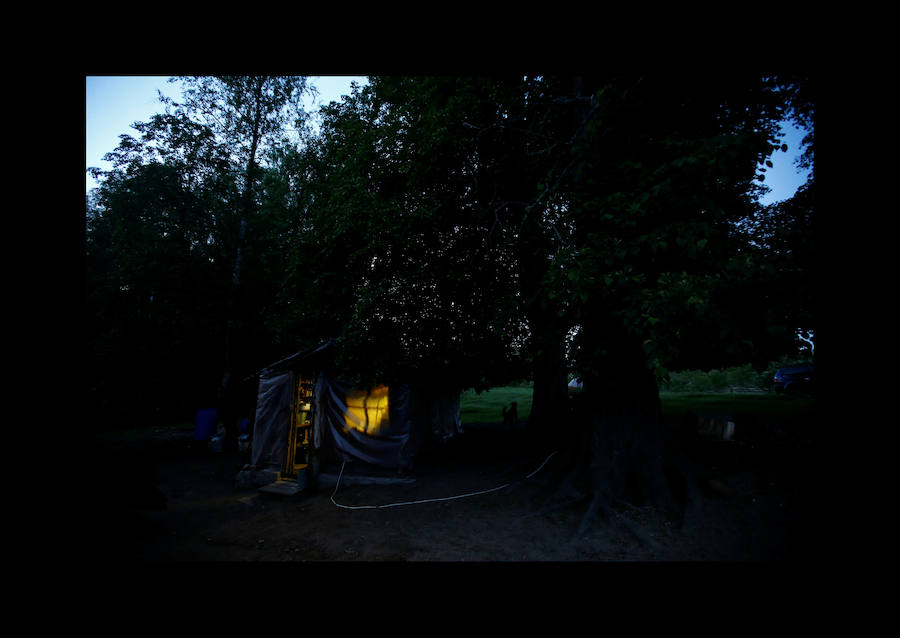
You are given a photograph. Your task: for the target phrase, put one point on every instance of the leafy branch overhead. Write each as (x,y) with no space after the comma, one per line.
(459,228)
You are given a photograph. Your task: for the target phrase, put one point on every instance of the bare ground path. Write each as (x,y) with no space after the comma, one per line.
(155,500)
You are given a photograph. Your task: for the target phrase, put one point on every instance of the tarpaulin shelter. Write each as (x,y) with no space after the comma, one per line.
(305,413)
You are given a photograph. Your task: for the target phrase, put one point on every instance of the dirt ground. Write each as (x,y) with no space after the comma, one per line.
(158,500)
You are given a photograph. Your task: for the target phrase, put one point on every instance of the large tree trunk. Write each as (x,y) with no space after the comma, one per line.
(620,456)
(547,344)
(549,399)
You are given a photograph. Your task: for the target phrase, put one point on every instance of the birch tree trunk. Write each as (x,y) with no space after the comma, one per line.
(227,403)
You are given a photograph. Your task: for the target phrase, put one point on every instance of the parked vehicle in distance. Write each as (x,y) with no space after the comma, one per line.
(798,379)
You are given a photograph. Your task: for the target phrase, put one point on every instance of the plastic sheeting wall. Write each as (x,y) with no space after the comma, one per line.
(357,427)
(273,420)
(384,426)
(368,426)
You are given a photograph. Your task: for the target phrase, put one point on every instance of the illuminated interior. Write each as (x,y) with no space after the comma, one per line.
(298,444)
(367,411)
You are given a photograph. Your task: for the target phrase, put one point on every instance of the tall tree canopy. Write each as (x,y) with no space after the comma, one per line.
(192,181)
(398,260)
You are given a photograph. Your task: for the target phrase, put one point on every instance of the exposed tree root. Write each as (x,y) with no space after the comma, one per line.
(571,490)
(596,505)
(609,465)
(565,495)
(599,505)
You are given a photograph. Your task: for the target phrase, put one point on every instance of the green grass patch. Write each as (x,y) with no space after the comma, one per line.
(487,407)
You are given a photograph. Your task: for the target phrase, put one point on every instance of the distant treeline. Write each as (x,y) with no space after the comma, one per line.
(744,376)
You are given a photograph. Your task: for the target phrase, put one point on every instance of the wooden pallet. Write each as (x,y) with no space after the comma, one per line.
(283,487)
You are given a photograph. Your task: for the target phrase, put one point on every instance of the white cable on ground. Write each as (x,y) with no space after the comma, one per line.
(427,500)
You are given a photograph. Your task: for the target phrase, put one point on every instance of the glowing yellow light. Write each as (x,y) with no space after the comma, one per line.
(367,411)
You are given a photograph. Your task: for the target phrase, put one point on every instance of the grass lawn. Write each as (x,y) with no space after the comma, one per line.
(487,407)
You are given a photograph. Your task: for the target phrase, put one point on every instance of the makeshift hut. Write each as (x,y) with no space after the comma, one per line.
(306,415)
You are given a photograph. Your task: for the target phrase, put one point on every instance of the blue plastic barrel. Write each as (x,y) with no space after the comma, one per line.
(206,424)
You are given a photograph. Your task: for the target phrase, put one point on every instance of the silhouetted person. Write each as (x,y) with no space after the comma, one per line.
(510,415)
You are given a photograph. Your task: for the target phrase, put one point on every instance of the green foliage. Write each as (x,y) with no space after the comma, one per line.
(714,380)
(164,232)
(396,265)
(722,380)
(154,288)
(451,228)
(662,185)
